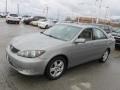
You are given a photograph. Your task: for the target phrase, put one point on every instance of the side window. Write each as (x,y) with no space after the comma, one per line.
(98,34)
(87,34)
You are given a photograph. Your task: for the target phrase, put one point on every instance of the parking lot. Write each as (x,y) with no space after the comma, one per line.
(89,76)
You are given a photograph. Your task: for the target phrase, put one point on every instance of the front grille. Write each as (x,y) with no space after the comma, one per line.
(13,49)
(117,41)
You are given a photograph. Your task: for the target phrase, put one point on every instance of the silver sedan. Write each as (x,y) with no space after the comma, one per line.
(61,47)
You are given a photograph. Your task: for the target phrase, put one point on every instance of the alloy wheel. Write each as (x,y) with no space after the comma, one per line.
(57,68)
(105,56)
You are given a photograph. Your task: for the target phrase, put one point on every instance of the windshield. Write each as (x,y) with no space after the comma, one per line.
(63,32)
(14,15)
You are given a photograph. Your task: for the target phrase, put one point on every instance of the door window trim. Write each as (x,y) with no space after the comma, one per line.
(102,32)
(92,38)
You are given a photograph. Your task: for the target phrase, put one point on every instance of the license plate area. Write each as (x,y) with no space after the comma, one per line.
(13,64)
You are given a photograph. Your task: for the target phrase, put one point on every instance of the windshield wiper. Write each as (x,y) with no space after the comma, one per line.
(51,36)
(46,34)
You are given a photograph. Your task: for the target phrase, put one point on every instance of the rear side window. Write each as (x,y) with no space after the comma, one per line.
(98,34)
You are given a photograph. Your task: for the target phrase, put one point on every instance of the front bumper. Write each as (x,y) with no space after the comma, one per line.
(26,66)
(34,24)
(41,25)
(13,19)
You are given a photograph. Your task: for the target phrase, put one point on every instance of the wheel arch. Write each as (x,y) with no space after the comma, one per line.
(60,55)
(109,50)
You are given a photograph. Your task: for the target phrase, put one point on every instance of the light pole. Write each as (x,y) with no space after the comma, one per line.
(58,14)
(106,12)
(6,6)
(18,9)
(47,12)
(99,10)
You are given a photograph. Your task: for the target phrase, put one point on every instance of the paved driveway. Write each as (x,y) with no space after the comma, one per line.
(89,76)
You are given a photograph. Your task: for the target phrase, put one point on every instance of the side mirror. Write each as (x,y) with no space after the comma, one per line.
(81,40)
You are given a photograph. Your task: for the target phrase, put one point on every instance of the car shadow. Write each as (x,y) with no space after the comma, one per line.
(86,68)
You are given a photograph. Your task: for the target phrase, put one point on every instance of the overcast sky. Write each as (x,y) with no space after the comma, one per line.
(60,8)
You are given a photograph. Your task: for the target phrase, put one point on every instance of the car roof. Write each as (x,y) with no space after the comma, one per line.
(101,25)
(79,25)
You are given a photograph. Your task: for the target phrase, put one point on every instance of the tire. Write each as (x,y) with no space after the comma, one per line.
(55,68)
(105,56)
(18,22)
(117,47)
(46,27)
(7,22)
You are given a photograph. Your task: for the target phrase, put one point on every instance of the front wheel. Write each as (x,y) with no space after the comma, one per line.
(105,56)
(55,68)
(7,22)
(17,22)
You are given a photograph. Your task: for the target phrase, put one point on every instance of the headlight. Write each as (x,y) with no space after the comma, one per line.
(30,53)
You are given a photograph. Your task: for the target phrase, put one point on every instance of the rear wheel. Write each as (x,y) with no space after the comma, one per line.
(55,68)
(105,56)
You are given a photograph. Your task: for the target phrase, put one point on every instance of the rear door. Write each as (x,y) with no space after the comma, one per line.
(100,42)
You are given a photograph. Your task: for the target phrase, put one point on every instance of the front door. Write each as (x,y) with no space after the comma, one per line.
(83,52)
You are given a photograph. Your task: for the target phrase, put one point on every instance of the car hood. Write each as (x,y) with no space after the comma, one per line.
(43,22)
(116,34)
(36,41)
